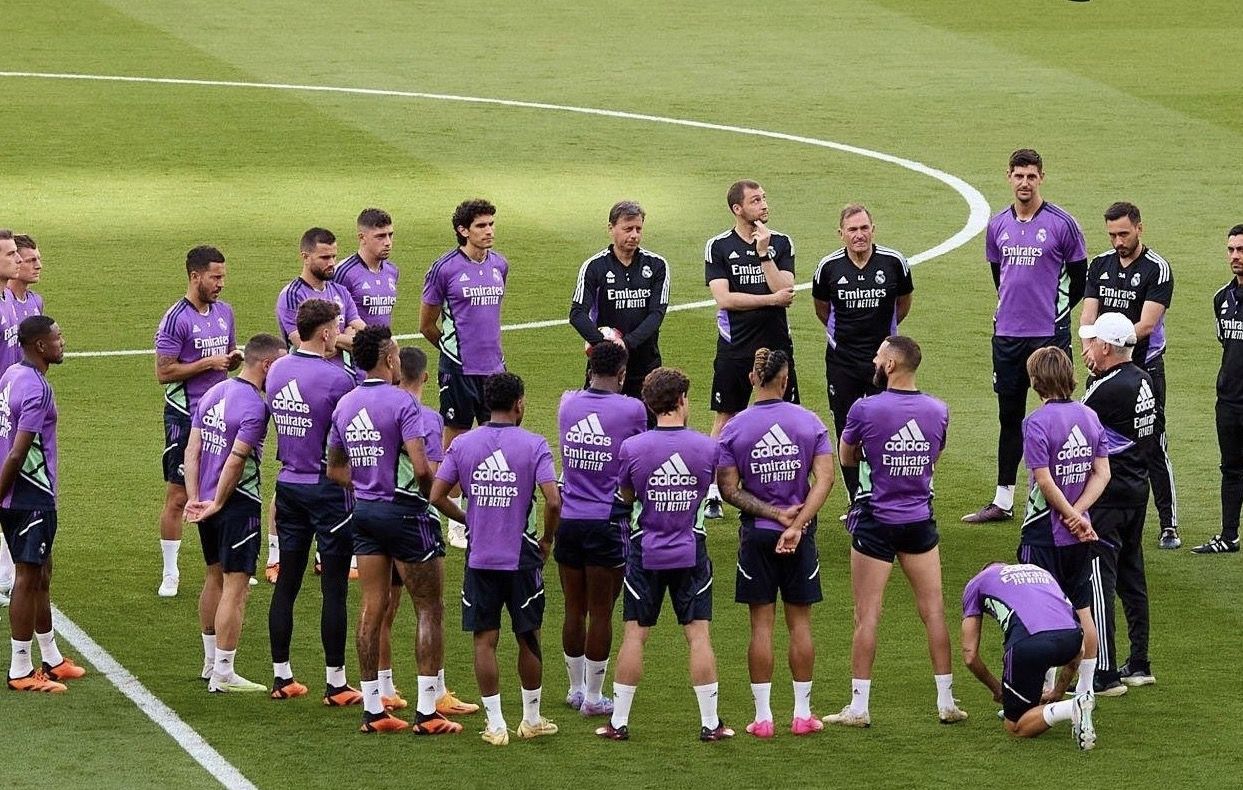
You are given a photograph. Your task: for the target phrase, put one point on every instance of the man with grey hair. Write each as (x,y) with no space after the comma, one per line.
(1122,395)
(626,288)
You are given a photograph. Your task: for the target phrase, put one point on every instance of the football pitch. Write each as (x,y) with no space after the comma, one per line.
(117,179)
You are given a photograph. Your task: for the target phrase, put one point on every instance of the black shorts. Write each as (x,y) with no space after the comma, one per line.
(176,435)
(690,590)
(731,387)
(485,593)
(583,542)
(847,384)
(1010,360)
(397,530)
(461,395)
(762,572)
(885,542)
(1024,665)
(314,510)
(1071,567)
(29,533)
(231,537)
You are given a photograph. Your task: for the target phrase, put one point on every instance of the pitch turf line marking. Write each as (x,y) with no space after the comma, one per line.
(185,736)
(977,220)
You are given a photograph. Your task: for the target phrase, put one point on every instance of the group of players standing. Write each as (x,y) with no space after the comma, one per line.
(363,462)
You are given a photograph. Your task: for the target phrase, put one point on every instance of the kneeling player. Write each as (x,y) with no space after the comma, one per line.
(370,427)
(499,465)
(768,454)
(1040,632)
(667,470)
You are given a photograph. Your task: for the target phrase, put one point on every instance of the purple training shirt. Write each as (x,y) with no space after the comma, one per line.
(469,296)
(298,291)
(1034,298)
(31,305)
(374,292)
(27,404)
(1064,437)
(1019,595)
(303,390)
(188,336)
(371,424)
(593,424)
(229,411)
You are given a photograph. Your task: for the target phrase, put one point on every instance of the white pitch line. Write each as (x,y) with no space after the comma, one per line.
(977,219)
(155,709)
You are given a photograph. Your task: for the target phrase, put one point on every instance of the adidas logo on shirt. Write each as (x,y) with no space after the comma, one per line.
(1104,275)
(494,469)
(774,444)
(361,429)
(908,439)
(843,281)
(290,399)
(1076,446)
(1146,401)
(589,431)
(733,256)
(214,418)
(673,472)
(465,278)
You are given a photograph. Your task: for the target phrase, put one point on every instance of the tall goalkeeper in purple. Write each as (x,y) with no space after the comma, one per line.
(666,472)
(499,465)
(305,388)
(194,347)
(769,453)
(590,551)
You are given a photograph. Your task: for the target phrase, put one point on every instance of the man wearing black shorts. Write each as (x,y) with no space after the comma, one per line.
(750,271)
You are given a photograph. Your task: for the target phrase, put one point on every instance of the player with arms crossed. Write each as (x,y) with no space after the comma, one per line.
(769,452)
(590,552)
(861,293)
(461,316)
(222,486)
(666,472)
(626,288)
(369,276)
(1039,261)
(750,271)
(1229,409)
(895,438)
(28,488)
(1068,459)
(1040,631)
(500,465)
(195,345)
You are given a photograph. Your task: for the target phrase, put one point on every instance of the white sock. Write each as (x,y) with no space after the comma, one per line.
(713,493)
(1050,679)
(1057,711)
(282,670)
(596,670)
(492,706)
(530,705)
(274,549)
(440,683)
(170,548)
(860,692)
(945,691)
(48,649)
(7,570)
(426,704)
(371,697)
(22,664)
(802,699)
(707,696)
(576,667)
(1004,498)
(353,561)
(1087,675)
(762,694)
(224,663)
(335,676)
(623,698)
(387,689)
(209,648)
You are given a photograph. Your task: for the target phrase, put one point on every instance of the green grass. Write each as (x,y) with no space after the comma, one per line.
(117,181)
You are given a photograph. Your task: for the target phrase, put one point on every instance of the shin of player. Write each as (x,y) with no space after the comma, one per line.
(1040,631)
(500,465)
(28,486)
(590,553)
(769,453)
(667,471)
(195,346)
(897,436)
(222,487)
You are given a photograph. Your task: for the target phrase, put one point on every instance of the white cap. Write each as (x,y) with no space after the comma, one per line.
(1112,328)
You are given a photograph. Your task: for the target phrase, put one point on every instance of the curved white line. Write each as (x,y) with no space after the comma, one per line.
(977,219)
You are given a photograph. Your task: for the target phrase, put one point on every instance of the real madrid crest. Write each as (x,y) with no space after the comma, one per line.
(880,278)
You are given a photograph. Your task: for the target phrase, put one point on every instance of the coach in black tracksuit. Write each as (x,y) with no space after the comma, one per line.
(627,288)
(1121,394)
